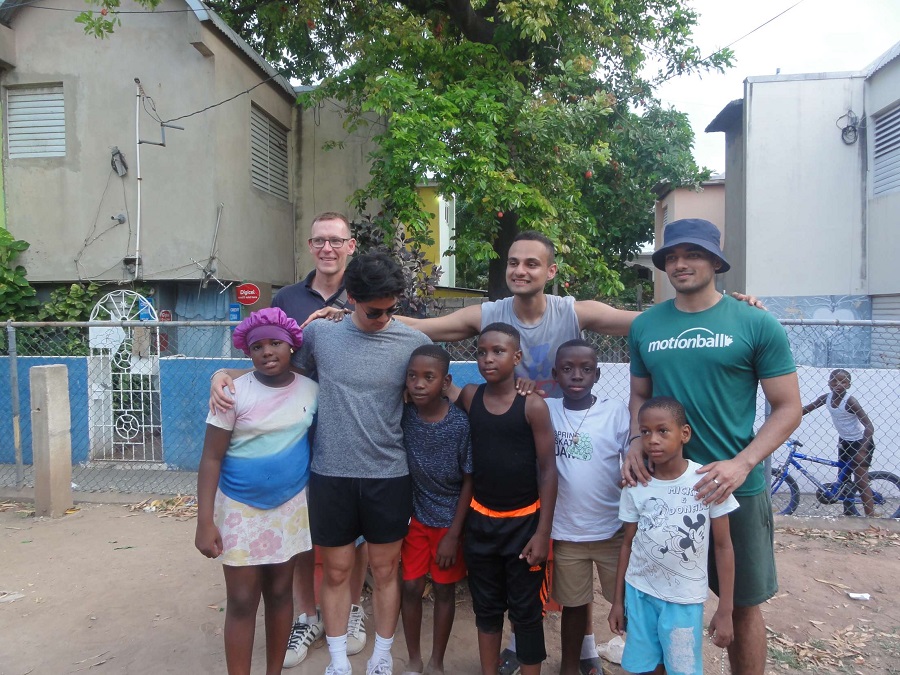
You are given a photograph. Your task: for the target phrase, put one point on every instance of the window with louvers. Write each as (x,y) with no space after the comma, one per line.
(268,155)
(36,122)
(886,175)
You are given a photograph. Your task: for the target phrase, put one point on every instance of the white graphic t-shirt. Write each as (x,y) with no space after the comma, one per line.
(668,553)
(589,444)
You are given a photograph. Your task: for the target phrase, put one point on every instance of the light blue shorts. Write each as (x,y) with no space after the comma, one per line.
(662,632)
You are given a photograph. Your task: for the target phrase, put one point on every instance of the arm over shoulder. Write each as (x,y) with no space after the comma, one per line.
(459,325)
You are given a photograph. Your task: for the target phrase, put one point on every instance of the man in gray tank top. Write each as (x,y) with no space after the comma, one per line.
(544,321)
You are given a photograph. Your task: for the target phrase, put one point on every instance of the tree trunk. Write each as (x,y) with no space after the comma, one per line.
(497,287)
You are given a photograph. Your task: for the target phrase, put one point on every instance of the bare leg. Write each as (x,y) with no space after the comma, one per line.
(411,605)
(571,637)
(444,613)
(384,559)
(747,654)
(489,651)
(358,576)
(861,472)
(534,669)
(276,591)
(337,561)
(304,584)
(243,587)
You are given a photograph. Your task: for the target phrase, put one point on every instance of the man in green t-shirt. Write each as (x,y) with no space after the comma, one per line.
(709,352)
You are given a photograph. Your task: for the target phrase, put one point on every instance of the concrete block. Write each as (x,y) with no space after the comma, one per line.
(51,437)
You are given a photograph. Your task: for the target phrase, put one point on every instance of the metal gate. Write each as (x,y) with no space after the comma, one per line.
(123,379)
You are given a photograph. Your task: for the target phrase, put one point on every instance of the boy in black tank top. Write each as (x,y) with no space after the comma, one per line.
(508,527)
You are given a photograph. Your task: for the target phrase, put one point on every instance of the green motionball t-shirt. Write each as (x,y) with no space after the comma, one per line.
(712,362)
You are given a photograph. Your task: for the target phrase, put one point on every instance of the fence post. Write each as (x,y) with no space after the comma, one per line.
(14,404)
(51,433)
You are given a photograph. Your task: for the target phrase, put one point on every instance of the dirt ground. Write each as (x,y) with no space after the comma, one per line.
(109,590)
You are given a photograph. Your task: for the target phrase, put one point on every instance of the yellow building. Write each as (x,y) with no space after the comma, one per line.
(443,227)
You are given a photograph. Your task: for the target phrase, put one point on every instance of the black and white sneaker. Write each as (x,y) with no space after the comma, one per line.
(303,636)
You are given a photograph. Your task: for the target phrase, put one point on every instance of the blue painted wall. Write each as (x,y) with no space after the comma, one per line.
(184,388)
(78,395)
(184,384)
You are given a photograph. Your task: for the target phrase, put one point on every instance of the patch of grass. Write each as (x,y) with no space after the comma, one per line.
(889,643)
(783,657)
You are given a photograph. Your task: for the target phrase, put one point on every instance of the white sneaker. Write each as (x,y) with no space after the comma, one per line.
(380,668)
(331,670)
(356,632)
(303,636)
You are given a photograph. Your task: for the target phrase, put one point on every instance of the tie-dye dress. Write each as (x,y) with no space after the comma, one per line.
(260,507)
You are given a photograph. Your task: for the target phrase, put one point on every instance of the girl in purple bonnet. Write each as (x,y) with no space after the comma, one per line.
(251,487)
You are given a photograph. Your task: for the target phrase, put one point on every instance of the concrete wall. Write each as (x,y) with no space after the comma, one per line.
(58,203)
(804,187)
(325,180)
(735,224)
(883,94)
(708,202)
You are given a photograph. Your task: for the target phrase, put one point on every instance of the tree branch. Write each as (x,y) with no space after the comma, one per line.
(473,25)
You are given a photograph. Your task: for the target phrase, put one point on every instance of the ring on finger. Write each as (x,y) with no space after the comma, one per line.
(716,481)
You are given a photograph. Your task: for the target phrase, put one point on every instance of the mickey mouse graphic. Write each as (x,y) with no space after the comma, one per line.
(682,540)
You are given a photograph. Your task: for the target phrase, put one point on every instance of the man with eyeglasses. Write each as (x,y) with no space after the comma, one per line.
(331,245)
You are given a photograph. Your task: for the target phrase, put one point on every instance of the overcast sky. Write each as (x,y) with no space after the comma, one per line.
(815,36)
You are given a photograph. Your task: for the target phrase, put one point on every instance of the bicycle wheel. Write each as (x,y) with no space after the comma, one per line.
(886,489)
(786,495)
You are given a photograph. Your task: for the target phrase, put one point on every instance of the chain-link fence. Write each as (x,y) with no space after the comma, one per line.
(138,393)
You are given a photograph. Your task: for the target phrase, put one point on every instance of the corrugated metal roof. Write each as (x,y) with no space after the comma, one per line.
(883,60)
(8,9)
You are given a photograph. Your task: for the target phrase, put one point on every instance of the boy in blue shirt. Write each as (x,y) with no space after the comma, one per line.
(439,452)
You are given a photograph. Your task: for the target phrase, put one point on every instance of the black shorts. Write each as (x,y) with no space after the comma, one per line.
(848,450)
(343,509)
(499,580)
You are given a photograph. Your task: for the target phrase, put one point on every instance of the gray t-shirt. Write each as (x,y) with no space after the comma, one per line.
(361,379)
(541,340)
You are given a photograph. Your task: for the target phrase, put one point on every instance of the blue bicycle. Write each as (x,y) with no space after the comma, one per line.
(786,492)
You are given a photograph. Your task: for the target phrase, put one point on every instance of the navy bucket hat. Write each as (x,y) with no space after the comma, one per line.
(695,231)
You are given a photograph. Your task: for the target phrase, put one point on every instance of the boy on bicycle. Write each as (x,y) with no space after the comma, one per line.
(855,432)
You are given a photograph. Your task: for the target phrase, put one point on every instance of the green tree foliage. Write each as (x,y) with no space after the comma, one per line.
(524,109)
(17,297)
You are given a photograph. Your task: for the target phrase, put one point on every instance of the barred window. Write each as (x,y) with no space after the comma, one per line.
(268,154)
(36,122)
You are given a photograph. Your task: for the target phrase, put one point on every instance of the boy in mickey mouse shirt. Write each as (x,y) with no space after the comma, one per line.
(661,582)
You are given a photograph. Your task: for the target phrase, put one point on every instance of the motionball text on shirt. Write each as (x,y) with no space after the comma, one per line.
(693,342)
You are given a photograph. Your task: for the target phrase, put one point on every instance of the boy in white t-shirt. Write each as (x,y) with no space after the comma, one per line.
(591,437)
(661,582)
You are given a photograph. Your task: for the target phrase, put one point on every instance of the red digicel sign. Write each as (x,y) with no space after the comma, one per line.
(247,294)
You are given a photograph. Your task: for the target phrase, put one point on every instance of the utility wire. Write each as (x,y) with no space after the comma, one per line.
(230,98)
(762,25)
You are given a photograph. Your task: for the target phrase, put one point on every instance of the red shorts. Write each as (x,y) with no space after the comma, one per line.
(418,555)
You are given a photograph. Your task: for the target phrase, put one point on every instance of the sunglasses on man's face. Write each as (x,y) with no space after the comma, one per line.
(377,313)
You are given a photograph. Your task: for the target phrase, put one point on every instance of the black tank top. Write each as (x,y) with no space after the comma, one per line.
(504,459)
